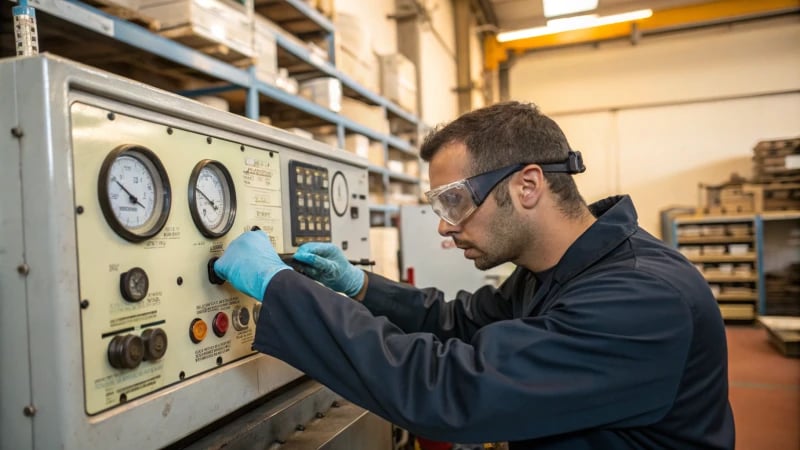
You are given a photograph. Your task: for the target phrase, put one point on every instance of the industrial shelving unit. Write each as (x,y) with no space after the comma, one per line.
(737,253)
(726,250)
(113,34)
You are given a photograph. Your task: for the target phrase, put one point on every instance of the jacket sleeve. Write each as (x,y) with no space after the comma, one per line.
(611,355)
(426,310)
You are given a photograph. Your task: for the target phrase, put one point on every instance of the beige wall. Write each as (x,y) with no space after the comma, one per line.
(656,119)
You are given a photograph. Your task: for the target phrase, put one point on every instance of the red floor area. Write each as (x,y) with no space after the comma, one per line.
(764,392)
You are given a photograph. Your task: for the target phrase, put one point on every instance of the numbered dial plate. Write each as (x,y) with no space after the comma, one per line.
(212,198)
(134,192)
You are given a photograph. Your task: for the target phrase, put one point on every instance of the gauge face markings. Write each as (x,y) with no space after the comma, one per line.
(212,198)
(131,191)
(134,192)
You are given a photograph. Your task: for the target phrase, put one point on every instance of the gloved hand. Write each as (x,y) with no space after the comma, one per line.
(249,263)
(328,265)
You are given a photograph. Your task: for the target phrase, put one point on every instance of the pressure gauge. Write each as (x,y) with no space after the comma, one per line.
(340,194)
(212,198)
(134,192)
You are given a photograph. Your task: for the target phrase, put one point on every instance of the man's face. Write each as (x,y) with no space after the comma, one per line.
(490,235)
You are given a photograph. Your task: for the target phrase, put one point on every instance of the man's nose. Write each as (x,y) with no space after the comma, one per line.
(445,229)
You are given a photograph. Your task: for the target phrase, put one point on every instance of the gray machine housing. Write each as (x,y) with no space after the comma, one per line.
(41,350)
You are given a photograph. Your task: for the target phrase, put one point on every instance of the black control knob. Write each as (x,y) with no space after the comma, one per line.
(213,278)
(155,343)
(133,284)
(125,352)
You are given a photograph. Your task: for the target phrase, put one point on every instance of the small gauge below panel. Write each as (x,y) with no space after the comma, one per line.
(212,198)
(134,192)
(309,203)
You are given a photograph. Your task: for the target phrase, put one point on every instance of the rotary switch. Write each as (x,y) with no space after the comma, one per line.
(155,343)
(125,352)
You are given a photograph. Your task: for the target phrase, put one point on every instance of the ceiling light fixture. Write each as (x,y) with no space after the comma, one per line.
(573,23)
(555,8)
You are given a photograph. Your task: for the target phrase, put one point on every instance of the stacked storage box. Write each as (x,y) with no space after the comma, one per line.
(219,28)
(399,81)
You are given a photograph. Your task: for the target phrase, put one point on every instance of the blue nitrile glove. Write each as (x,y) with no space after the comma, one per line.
(329,266)
(249,263)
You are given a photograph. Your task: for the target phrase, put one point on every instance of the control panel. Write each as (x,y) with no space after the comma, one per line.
(155,203)
(116,197)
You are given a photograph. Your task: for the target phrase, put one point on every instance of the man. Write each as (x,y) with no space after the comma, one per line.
(602,338)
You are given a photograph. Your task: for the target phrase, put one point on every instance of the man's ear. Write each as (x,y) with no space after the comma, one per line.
(530,185)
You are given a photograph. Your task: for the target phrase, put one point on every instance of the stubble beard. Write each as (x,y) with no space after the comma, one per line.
(507,238)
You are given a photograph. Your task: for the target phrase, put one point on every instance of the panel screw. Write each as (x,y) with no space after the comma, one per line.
(17,132)
(79,210)
(209,140)
(23,269)
(169,130)
(180,281)
(320,415)
(241,147)
(29,411)
(300,428)
(84,304)
(111,116)
(335,405)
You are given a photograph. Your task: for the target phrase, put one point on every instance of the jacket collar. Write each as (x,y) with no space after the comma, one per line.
(616,222)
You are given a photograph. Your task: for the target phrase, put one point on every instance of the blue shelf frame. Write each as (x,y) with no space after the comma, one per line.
(91,18)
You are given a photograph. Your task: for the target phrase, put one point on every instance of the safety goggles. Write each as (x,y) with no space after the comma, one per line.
(456,201)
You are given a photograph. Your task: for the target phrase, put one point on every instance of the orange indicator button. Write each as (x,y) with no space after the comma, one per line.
(198,330)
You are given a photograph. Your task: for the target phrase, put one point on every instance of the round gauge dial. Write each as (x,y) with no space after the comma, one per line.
(212,198)
(134,192)
(134,284)
(340,194)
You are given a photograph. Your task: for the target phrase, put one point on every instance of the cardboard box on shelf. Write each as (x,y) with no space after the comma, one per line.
(358,144)
(324,91)
(362,68)
(220,29)
(377,154)
(399,80)
(370,116)
(265,48)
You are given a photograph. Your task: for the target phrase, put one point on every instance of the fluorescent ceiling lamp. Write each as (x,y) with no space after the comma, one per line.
(555,8)
(573,23)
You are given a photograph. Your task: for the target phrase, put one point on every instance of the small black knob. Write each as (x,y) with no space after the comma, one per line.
(125,352)
(155,343)
(212,276)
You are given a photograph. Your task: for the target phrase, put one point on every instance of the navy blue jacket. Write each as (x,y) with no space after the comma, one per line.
(622,346)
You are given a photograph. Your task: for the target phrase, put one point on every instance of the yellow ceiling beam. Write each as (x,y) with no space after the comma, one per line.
(496,52)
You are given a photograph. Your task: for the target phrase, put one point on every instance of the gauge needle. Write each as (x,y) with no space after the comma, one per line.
(131,197)
(209,200)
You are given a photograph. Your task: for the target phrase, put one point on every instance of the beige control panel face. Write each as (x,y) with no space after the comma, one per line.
(153,205)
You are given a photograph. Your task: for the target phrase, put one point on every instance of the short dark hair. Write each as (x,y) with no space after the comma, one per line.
(509,133)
